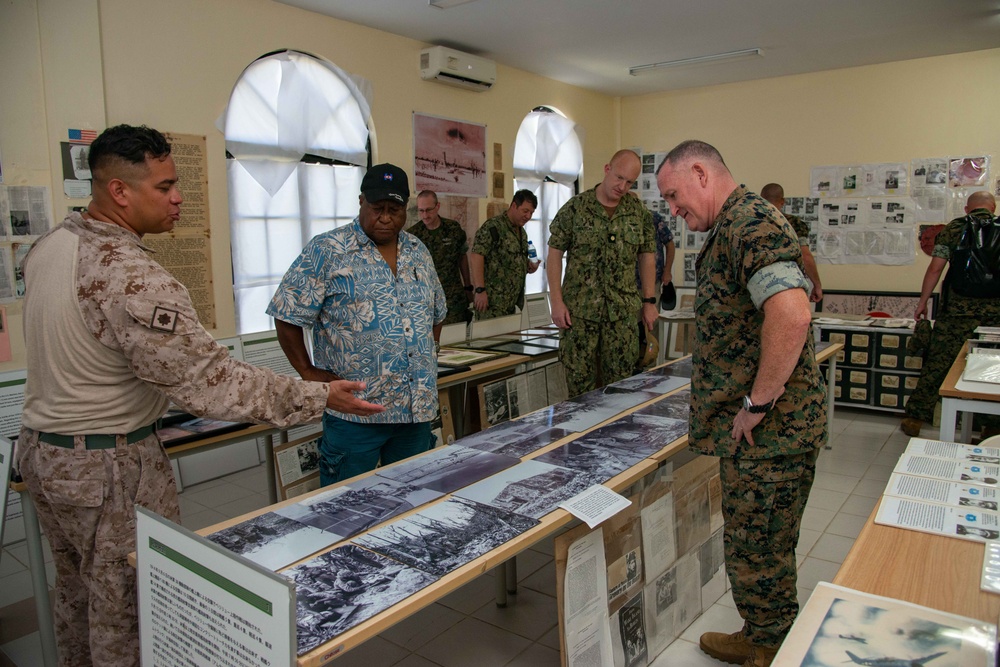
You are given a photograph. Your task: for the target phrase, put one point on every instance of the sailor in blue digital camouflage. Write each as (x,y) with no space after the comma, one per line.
(954,323)
(499,260)
(603,233)
(448,245)
(775,194)
(111,339)
(757,396)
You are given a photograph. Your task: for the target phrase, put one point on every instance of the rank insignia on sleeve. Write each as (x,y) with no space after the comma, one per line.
(164,319)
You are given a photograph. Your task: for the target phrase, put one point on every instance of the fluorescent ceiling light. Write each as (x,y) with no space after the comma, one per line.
(697,60)
(447,4)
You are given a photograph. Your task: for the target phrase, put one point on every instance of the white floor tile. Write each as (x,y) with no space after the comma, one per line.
(846,525)
(218,495)
(203,519)
(529,614)
(832,548)
(25,651)
(685,653)
(807,538)
(859,505)
(816,518)
(833,482)
(536,655)
(10,565)
(473,642)
(718,618)
(825,499)
(15,587)
(872,488)
(375,651)
(425,625)
(814,570)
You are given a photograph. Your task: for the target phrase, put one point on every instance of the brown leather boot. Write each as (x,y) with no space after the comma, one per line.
(760,656)
(911,426)
(734,648)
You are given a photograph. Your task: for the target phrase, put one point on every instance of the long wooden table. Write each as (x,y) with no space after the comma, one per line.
(930,570)
(954,401)
(375,625)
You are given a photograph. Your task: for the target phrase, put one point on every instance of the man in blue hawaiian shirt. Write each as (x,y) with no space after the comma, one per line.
(371,296)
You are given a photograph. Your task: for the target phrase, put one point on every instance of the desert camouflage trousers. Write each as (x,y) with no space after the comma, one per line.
(85,504)
(947,338)
(762,505)
(598,353)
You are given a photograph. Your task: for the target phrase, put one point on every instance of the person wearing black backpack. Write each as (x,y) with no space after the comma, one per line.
(970,246)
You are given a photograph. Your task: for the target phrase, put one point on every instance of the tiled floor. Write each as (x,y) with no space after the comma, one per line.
(466,627)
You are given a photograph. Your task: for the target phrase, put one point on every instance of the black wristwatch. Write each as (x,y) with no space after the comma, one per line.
(651,300)
(480,290)
(755,409)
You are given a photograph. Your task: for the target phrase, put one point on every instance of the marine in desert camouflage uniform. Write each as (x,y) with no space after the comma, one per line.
(751,341)
(604,233)
(111,339)
(956,322)
(448,245)
(499,259)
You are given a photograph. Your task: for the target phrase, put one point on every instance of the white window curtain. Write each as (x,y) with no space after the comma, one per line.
(548,160)
(287,106)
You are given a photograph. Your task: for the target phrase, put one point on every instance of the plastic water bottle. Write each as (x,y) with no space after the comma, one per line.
(532,254)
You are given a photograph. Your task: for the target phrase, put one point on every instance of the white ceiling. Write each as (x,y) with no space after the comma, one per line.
(592,43)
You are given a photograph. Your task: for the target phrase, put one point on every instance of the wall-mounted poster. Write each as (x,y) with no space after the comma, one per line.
(449,156)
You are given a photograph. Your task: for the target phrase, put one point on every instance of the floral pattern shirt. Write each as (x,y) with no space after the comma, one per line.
(367,324)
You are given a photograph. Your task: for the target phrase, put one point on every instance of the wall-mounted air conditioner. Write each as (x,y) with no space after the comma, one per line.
(439,63)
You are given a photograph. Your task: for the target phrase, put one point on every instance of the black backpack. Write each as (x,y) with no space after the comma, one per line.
(974,267)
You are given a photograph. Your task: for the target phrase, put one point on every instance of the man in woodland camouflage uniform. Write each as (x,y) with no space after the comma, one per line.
(775,194)
(957,320)
(111,340)
(605,233)
(757,397)
(448,244)
(499,259)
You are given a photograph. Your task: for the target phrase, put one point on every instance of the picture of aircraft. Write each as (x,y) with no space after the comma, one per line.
(893,662)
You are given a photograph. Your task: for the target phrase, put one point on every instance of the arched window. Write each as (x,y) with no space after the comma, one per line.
(548,160)
(296,133)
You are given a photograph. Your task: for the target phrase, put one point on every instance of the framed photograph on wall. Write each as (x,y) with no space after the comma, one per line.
(860,302)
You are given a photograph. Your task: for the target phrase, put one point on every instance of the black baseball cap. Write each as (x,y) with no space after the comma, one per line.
(385,181)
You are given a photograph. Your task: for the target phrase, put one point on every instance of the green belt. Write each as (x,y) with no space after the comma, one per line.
(96,441)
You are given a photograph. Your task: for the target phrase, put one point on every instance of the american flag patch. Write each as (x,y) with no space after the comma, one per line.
(85,137)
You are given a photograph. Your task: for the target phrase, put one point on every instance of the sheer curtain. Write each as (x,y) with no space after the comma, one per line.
(297,138)
(548,160)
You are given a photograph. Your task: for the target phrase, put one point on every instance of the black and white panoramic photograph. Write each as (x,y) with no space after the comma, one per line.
(448,468)
(341,588)
(532,488)
(564,414)
(603,404)
(676,406)
(660,381)
(515,438)
(446,536)
(600,462)
(682,366)
(273,541)
(637,435)
(346,511)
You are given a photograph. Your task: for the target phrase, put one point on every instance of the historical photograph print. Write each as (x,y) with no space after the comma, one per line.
(637,435)
(603,404)
(341,588)
(532,488)
(449,156)
(600,462)
(447,535)
(564,415)
(516,439)
(632,629)
(273,541)
(838,625)
(346,511)
(676,406)
(448,468)
(660,381)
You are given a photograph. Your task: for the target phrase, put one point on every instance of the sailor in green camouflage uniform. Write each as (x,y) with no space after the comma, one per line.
(448,244)
(757,396)
(775,194)
(957,320)
(499,259)
(604,232)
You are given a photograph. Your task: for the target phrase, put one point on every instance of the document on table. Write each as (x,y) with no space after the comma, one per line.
(595,505)
(961,522)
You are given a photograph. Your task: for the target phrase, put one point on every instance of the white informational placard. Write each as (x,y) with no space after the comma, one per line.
(234,345)
(11,402)
(263,350)
(200,603)
(6,454)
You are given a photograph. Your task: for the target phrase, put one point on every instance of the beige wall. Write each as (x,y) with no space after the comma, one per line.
(776,129)
(94,63)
